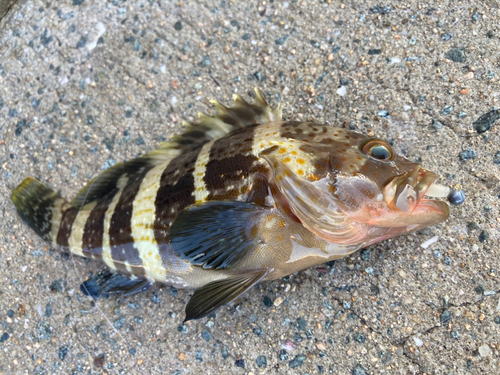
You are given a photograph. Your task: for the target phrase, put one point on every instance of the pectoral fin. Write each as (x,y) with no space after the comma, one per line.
(217,293)
(216,235)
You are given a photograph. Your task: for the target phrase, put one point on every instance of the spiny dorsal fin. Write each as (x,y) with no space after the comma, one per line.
(194,136)
(226,120)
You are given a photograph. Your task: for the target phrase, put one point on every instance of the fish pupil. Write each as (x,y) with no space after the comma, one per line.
(379,152)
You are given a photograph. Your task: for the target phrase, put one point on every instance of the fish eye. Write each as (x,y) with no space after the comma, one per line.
(379,150)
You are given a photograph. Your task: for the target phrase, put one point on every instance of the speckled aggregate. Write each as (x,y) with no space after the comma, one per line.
(87,84)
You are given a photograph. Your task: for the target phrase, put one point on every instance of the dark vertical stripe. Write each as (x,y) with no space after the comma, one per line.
(64,232)
(120,231)
(175,193)
(233,172)
(94,228)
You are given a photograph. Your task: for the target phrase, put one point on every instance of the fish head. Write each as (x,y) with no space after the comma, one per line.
(356,189)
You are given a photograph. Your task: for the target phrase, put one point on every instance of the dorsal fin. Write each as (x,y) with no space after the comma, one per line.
(194,136)
(224,122)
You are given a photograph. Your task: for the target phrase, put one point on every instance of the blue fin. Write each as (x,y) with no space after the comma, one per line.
(213,295)
(105,283)
(216,234)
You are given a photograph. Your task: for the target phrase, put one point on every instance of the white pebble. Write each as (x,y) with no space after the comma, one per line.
(418,341)
(342,90)
(429,242)
(173,100)
(484,350)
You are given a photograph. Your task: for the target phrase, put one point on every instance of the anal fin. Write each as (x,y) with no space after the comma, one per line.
(105,283)
(213,295)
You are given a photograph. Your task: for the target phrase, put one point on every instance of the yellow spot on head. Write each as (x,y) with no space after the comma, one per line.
(282,150)
(301,161)
(300,172)
(294,152)
(286,160)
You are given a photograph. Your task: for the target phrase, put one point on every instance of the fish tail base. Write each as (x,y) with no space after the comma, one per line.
(37,205)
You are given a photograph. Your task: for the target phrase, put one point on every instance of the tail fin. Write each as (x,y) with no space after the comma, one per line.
(39,206)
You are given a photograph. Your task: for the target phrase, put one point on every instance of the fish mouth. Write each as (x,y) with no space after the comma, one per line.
(413,189)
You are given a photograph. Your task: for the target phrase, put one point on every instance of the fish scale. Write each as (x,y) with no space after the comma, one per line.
(239,198)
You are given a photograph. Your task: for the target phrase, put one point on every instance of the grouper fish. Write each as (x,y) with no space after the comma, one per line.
(238,198)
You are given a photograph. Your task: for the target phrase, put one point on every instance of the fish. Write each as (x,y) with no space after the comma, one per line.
(239,198)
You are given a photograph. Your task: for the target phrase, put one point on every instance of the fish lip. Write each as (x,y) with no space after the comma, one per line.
(407,191)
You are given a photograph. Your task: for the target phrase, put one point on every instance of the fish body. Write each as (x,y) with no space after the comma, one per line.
(238,198)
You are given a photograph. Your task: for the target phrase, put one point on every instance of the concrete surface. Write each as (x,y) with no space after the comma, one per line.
(85,84)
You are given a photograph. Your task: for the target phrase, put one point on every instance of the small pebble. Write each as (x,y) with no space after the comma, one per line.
(206,335)
(446,317)
(261,361)
(359,370)
(297,361)
(456,197)
(468,154)
(456,54)
(240,363)
(484,350)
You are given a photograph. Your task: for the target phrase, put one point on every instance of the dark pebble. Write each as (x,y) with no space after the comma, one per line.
(383,113)
(205,61)
(297,361)
(267,301)
(281,41)
(155,298)
(62,352)
(206,335)
(437,125)
(484,236)
(48,311)
(446,317)
(374,289)
(82,42)
(132,351)
(44,331)
(77,2)
(302,323)
(182,328)
(358,337)
(261,361)
(224,352)
(90,119)
(484,122)
(178,26)
(10,313)
(467,154)
(455,335)
(359,370)
(4,337)
(447,36)
(380,9)
(173,291)
(374,51)
(240,363)
(497,319)
(479,289)
(258,331)
(12,112)
(473,225)
(456,197)
(99,361)
(57,286)
(456,55)
(35,102)
(446,110)
(118,323)
(283,355)
(365,254)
